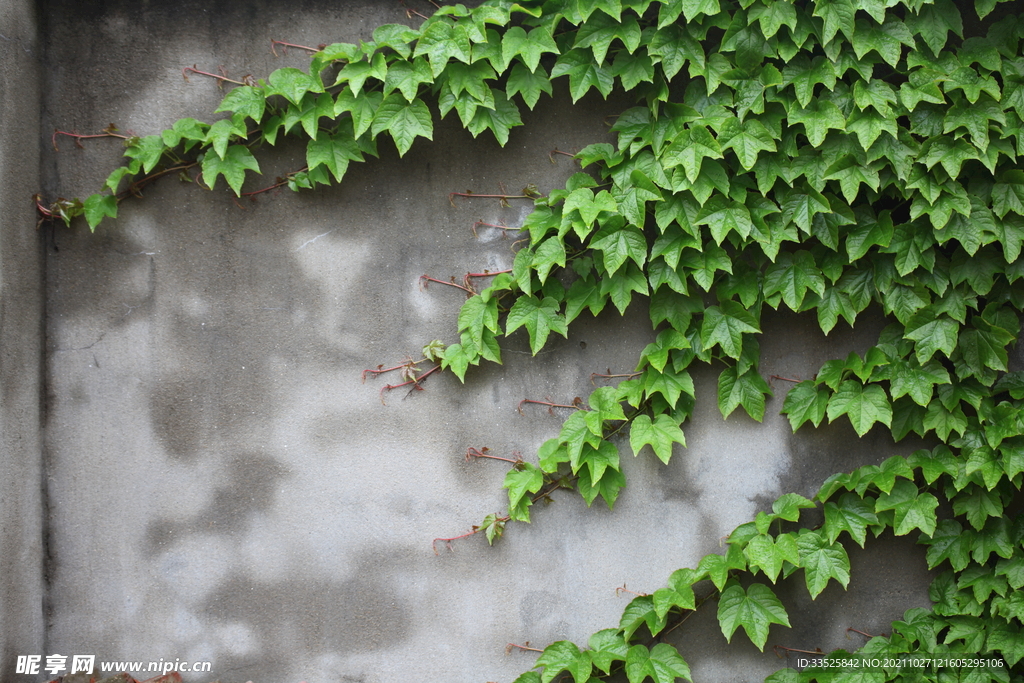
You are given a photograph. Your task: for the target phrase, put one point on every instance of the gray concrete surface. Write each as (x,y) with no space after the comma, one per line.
(22,536)
(221,485)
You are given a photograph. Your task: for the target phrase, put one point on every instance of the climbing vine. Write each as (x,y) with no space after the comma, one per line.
(821,155)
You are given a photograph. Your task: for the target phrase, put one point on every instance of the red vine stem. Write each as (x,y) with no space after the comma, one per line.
(527,648)
(381,369)
(280,182)
(492,225)
(287,45)
(575,404)
(784,379)
(793,649)
(427,278)
(476,530)
(623,589)
(415,382)
(866,635)
(192,69)
(484,453)
(108,133)
(611,376)
(552,153)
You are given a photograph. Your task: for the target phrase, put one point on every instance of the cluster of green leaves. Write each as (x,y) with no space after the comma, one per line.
(821,155)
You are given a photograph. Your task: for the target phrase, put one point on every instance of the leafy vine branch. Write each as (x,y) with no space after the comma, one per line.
(826,156)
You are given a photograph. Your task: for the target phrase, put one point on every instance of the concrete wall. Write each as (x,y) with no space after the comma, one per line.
(21,340)
(222,486)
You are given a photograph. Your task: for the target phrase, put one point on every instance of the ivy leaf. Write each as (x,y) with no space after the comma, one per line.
(639,612)
(500,120)
(726,325)
(689,149)
(583,73)
(852,514)
(887,40)
(245,100)
(520,480)
(755,609)
(406,77)
(237,159)
(527,46)
(607,646)
(723,216)
(822,560)
(804,74)
(806,402)
(912,509)
(838,15)
(97,207)
(564,656)
(817,118)
(768,554)
(405,121)
(440,42)
(746,140)
(662,663)
(334,153)
(679,592)
(932,334)
(599,33)
(949,542)
(660,434)
(748,389)
(864,405)
(293,84)
(790,277)
(539,317)
(620,245)
(529,84)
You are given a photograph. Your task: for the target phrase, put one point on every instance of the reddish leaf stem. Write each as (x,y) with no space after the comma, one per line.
(552,153)
(192,69)
(866,635)
(381,369)
(484,453)
(476,530)
(488,273)
(623,589)
(793,649)
(287,45)
(415,382)
(280,182)
(427,278)
(108,133)
(503,228)
(611,376)
(575,404)
(784,379)
(527,648)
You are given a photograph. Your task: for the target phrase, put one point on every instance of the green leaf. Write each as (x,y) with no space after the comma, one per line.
(403,120)
(805,402)
(539,317)
(639,612)
(662,663)
(817,118)
(237,159)
(678,594)
(334,153)
(442,41)
(755,609)
(932,334)
(768,554)
(522,479)
(407,77)
(97,207)
(726,326)
(292,84)
(564,656)
(748,389)
(583,74)
(245,100)
(949,542)
(599,32)
(499,120)
(790,277)
(620,245)
(660,434)
(689,148)
(529,84)
(822,560)
(912,509)
(851,514)
(527,46)
(887,40)
(864,405)
(746,140)
(606,647)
